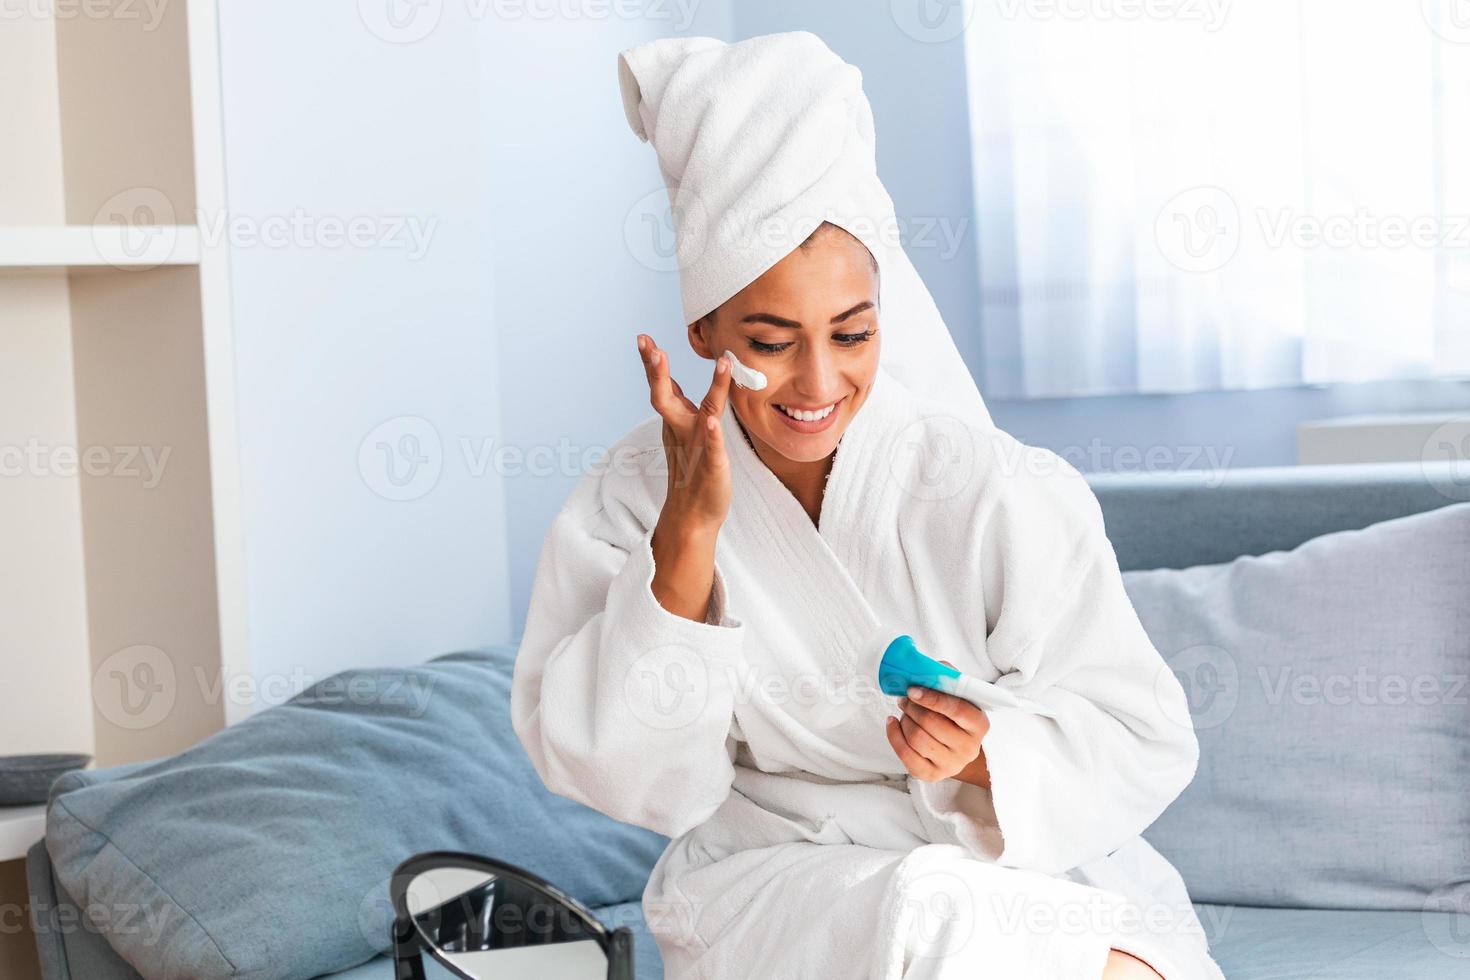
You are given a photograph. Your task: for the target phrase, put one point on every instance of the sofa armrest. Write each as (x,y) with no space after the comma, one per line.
(44,916)
(69,948)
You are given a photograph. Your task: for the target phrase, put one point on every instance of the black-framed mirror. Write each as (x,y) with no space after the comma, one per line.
(484,919)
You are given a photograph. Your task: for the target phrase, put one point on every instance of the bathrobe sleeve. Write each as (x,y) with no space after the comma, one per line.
(1063,632)
(621,704)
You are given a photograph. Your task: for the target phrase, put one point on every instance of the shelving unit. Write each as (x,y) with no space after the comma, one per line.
(120,247)
(121,586)
(121,565)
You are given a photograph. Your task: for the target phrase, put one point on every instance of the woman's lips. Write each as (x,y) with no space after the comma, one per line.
(810,427)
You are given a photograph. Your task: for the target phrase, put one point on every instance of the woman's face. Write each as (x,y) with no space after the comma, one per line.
(810,325)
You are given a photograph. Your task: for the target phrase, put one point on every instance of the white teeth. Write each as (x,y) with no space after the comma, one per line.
(808,416)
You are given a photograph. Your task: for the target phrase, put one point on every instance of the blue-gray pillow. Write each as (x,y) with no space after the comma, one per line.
(1327,686)
(264,851)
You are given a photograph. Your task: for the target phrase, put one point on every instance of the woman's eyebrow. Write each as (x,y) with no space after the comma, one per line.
(779,321)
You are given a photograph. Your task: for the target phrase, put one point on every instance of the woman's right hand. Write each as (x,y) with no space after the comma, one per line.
(698,498)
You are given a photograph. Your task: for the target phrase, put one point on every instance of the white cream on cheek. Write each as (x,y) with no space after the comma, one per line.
(743,376)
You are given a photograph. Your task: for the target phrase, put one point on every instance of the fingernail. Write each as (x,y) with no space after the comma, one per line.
(917,693)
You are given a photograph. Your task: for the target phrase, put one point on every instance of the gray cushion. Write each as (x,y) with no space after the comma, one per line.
(264,851)
(1336,944)
(1327,687)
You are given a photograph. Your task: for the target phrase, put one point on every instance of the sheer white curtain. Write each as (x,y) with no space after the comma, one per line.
(1207,194)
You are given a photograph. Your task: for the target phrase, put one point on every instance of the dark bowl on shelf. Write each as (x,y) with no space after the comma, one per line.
(26,779)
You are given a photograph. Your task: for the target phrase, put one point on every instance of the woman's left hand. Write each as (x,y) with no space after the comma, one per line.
(939,736)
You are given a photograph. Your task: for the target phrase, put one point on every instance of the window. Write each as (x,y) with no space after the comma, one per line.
(1186,195)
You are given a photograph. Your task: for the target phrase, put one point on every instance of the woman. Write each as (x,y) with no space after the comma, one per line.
(709,610)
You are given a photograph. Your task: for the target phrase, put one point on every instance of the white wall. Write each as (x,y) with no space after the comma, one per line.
(342,348)
(514,328)
(572,289)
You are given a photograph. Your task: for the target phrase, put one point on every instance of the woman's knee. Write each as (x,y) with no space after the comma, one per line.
(1123,966)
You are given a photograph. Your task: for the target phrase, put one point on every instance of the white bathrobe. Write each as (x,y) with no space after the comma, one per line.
(801,848)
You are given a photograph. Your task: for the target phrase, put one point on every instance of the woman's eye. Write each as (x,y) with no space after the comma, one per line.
(845,339)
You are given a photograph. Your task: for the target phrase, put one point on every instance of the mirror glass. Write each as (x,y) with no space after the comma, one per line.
(497,927)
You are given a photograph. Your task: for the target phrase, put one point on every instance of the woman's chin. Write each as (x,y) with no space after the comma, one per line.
(802,448)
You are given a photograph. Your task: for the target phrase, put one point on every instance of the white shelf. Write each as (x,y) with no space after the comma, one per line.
(91,246)
(20,827)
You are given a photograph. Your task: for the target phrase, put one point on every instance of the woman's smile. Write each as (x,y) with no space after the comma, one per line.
(808,420)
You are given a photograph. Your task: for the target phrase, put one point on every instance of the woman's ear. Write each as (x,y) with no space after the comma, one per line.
(701,337)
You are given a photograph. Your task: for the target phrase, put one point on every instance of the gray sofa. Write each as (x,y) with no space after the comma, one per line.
(1172,520)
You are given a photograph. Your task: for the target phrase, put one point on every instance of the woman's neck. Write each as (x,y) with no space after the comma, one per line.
(807,481)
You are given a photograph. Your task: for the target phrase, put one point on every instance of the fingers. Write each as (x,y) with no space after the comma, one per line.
(660,385)
(915,763)
(714,440)
(664,391)
(937,728)
(719,389)
(921,753)
(958,712)
(684,399)
(922,742)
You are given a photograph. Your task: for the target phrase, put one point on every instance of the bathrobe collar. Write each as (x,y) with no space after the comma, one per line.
(827,563)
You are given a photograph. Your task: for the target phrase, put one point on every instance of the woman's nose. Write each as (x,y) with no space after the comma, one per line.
(816,375)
